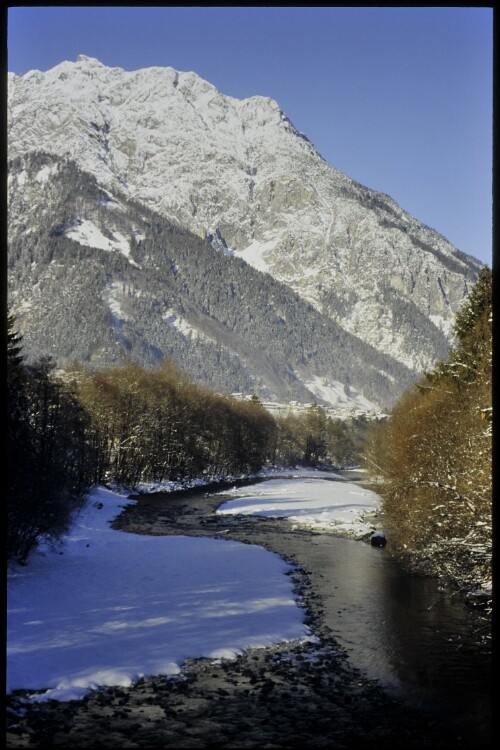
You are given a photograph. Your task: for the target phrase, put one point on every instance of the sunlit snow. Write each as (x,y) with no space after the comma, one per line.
(313,503)
(21,178)
(335,394)
(182,325)
(442,323)
(86,233)
(112,606)
(254,254)
(112,293)
(46,172)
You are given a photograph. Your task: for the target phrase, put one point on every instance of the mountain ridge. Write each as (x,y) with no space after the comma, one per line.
(238,175)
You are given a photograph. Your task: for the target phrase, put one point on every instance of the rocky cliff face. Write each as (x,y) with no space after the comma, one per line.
(239,176)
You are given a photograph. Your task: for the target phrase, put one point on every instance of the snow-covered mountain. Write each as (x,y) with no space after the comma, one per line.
(240,177)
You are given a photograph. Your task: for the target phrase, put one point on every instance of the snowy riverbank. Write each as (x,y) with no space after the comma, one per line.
(340,507)
(299,692)
(107,608)
(110,607)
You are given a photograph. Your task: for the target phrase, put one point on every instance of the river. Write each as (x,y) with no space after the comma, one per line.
(395,661)
(417,639)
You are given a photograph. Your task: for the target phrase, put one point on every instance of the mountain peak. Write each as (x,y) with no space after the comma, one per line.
(90,61)
(238,171)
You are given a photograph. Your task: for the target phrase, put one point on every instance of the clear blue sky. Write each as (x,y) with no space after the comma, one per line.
(400,99)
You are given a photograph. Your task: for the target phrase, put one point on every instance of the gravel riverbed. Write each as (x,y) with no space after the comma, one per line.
(288,696)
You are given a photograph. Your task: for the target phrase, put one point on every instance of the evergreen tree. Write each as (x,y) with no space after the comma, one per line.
(315,449)
(49,462)
(19,444)
(16,377)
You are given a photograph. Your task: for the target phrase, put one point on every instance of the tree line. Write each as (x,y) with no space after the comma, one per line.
(127,425)
(50,452)
(434,456)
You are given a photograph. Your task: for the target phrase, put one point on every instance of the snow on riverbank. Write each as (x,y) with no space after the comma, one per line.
(313,503)
(146,488)
(110,606)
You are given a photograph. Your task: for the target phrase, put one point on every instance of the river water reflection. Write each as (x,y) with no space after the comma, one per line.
(403,631)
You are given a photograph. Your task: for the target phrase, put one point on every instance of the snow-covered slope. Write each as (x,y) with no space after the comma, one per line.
(238,173)
(101,280)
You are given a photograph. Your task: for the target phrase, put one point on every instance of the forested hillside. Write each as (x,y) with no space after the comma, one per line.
(104,280)
(434,456)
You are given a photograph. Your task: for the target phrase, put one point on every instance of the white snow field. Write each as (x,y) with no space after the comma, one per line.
(314,503)
(109,607)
